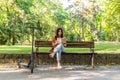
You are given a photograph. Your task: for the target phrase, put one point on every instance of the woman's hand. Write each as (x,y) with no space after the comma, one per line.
(56,43)
(65,44)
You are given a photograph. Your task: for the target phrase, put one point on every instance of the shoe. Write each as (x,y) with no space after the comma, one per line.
(52,55)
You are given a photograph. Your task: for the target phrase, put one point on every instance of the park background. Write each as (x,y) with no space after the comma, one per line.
(82,20)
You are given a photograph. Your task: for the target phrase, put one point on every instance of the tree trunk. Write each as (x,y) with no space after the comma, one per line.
(13,40)
(117,36)
(83,30)
(94,21)
(78,38)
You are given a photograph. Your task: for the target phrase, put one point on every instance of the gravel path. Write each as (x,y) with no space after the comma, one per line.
(50,72)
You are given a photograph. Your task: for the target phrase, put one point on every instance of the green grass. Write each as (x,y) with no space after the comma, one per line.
(24,49)
(107,47)
(100,47)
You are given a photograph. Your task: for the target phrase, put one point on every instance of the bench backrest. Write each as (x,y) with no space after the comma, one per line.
(83,44)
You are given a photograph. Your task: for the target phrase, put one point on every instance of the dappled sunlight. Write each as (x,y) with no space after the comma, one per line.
(49,72)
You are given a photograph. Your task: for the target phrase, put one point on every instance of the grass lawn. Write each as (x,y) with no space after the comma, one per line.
(100,47)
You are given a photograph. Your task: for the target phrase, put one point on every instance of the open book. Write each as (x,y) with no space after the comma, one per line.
(61,40)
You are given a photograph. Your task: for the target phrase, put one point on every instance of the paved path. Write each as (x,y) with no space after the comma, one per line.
(46,72)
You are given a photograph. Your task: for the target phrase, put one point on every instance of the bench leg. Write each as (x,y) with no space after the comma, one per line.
(92,60)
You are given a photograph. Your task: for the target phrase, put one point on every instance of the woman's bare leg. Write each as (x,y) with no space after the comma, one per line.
(59,64)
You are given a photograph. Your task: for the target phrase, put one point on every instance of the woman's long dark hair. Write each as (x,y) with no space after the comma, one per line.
(56,36)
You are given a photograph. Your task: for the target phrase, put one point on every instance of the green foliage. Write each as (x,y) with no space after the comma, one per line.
(17,15)
(98,20)
(111,21)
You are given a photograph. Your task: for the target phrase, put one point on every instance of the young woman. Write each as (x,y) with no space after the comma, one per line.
(58,43)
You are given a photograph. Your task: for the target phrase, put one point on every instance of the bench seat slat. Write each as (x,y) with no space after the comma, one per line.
(67,53)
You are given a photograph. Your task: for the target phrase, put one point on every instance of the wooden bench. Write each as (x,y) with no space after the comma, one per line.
(75,44)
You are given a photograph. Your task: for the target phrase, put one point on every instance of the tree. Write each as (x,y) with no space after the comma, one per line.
(16,15)
(85,13)
(111,19)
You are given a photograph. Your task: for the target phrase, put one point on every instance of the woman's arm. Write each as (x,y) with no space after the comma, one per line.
(54,42)
(64,41)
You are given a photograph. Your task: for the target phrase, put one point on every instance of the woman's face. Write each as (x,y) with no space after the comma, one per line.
(59,32)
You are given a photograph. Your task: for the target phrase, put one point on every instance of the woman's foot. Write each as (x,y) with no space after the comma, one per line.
(52,54)
(59,66)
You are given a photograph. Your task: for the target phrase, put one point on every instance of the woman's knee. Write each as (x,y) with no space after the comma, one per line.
(59,45)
